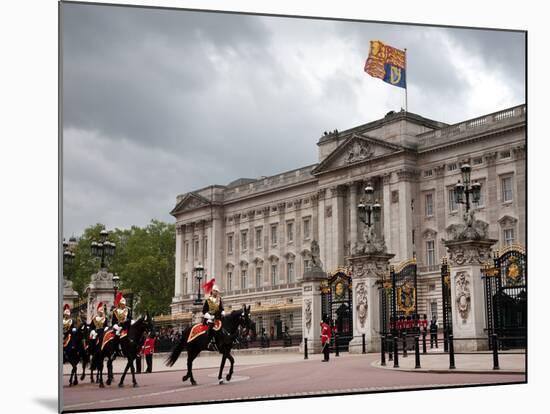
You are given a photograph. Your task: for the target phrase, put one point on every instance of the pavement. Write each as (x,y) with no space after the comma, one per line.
(433,361)
(286,374)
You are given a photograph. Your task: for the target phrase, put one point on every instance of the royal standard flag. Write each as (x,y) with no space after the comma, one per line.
(387,63)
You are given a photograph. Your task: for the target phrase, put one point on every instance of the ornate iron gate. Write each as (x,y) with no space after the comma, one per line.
(446,304)
(336,294)
(404,303)
(506,297)
(398,298)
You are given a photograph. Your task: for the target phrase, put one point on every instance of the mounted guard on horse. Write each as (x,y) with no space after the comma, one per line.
(213,312)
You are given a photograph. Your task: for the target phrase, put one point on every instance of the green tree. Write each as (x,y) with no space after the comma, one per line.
(144,261)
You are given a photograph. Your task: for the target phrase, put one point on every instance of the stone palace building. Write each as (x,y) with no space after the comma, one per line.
(254,235)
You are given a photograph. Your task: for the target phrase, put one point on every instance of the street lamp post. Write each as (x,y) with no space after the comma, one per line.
(68,259)
(199,272)
(463,190)
(368,207)
(103,248)
(116,283)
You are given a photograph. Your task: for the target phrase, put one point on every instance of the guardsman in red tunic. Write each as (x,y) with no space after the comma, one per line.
(326,333)
(148,350)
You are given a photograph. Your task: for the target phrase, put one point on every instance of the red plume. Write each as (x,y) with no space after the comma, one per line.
(99,306)
(66,307)
(208,286)
(117,298)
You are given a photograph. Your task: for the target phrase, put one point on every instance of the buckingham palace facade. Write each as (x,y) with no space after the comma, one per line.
(254,235)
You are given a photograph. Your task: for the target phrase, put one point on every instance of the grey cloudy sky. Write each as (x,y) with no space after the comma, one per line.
(161,102)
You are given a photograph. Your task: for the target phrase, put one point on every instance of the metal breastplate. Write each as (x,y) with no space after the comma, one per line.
(67,324)
(121,315)
(213,304)
(99,321)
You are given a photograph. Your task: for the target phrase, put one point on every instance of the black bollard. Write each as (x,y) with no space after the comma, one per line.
(451,352)
(405,346)
(424,342)
(495,352)
(389,343)
(395,352)
(382,350)
(305,348)
(336,345)
(364,345)
(416,352)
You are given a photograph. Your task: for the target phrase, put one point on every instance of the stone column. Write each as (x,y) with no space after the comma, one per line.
(405,221)
(367,274)
(337,194)
(386,210)
(100,289)
(321,226)
(311,309)
(178,289)
(353,213)
(521,183)
(466,259)
(70,296)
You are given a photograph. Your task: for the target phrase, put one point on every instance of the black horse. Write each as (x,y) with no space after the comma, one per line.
(224,341)
(91,353)
(73,350)
(129,345)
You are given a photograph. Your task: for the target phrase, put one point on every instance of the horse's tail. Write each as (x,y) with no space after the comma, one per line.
(176,351)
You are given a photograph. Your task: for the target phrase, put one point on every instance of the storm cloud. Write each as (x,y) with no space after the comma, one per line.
(160,102)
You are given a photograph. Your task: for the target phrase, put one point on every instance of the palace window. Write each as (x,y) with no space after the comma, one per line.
(186,251)
(430,253)
(244,279)
(451,167)
(290,231)
(230,244)
(429,204)
(508,236)
(196,249)
(258,277)
(185,283)
(229,281)
(307,228)
(481,201)
(244,240)
(274,234)
(453,207)
(506,186)
(290,272)
(273,275)
(505,154)
(428,173)
(258,238)
(307,264)
(478,161)
(205,247)
(433,309)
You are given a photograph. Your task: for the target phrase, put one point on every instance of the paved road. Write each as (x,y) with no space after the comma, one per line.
(290,377)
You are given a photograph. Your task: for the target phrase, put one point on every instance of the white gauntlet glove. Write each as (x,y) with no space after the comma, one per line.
(209,318)
(223,313)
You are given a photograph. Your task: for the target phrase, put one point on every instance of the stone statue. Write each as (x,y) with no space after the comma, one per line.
(370,243)
(362,303)
(307,313)
(316,264)
(463,296)
(470,229)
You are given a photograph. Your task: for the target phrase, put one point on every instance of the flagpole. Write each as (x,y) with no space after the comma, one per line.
(406,100)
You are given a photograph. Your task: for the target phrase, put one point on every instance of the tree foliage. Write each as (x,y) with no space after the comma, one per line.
(144,261)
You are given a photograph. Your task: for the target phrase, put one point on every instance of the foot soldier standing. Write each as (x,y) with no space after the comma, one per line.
(212,310)
(326,333)
(122,318)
